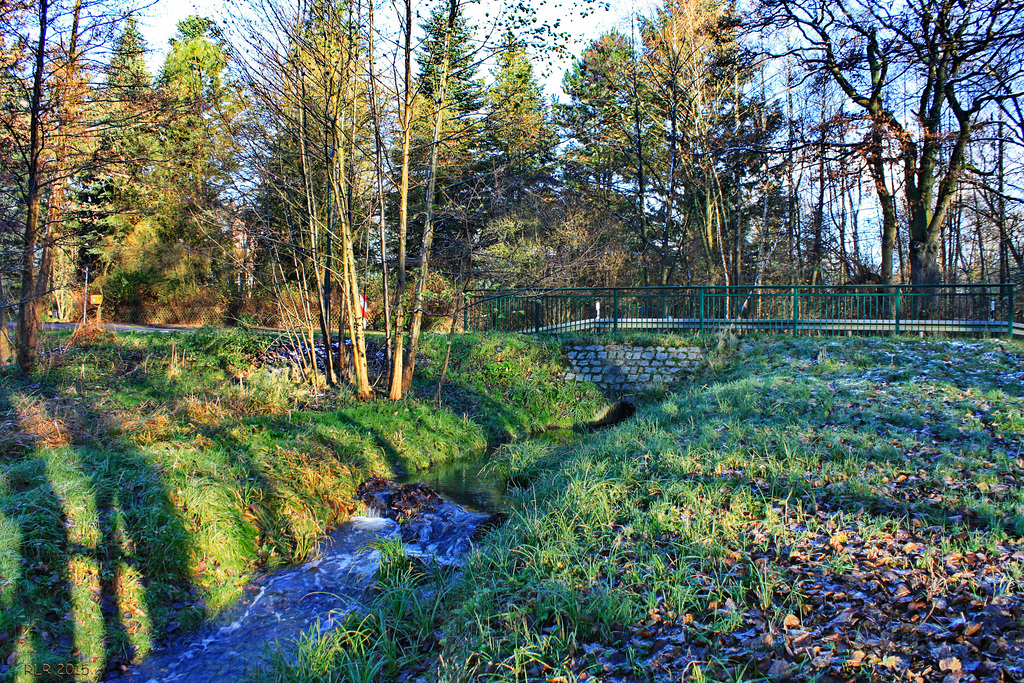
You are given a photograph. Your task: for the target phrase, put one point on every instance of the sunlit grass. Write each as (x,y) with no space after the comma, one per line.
(142,485)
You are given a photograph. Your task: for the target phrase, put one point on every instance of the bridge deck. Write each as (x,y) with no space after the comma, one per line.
(831,326)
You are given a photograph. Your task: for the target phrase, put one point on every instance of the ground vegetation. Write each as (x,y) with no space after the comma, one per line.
(144,479)
(808,510)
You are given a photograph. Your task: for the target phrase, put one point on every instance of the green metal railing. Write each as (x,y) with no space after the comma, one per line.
(960,310)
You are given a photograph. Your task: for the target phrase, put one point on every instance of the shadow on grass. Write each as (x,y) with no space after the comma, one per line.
(91,556)
(391,454)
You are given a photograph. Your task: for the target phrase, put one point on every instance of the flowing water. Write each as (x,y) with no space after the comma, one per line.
(278,607)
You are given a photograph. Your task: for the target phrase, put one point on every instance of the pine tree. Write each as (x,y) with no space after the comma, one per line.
(127,74)
(112,198)
(457,181)
(197,140)
(519,141)
(464,91)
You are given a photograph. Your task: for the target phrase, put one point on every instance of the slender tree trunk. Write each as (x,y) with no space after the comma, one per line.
(5,340)
(818,253)
(397,343)
(379,151)
(30,308)
(1004,238)
(671,200)
(428,224)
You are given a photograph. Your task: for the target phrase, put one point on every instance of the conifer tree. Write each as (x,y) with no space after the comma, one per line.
(110,196)
(127,74)
(519,139)
(460,103)
(464,93)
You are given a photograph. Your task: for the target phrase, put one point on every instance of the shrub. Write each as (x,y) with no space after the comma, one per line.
(233,350)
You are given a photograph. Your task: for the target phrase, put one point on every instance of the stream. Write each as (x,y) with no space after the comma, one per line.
(278,607)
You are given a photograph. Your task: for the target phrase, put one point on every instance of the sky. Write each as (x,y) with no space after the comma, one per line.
(158,23)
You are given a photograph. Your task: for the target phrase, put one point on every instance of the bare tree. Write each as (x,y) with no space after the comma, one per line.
(305,77)
(955,61)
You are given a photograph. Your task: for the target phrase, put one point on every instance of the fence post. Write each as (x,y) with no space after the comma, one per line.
(896,313)
(615,309)
(465,312)
(1009,311)
(702,310)
(536,316)
(796,307)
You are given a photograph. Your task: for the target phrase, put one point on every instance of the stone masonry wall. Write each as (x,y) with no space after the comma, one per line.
(625,367)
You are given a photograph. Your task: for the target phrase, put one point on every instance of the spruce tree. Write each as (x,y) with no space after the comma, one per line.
(519,141)
(112,197)
(464,91)
(457,190)
(127,74)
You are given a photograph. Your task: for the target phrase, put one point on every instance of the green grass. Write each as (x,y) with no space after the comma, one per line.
(807,509)
(142,484)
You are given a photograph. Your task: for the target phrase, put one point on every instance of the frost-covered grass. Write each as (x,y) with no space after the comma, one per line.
(806,509)
(815,510)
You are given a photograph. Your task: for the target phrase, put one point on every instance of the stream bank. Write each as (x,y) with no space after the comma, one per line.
(279,608)
(143,487)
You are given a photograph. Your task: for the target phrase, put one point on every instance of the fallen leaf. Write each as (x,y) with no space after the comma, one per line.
(950,664)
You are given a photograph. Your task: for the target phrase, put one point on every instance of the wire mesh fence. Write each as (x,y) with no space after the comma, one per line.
(961,310)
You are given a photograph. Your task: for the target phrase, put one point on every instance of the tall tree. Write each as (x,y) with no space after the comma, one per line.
(609,129)
(519,140)
(457,178)
(113,197)
(924,73)
(44,117)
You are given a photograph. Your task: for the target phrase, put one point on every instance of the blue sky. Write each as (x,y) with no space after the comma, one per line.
(158,23)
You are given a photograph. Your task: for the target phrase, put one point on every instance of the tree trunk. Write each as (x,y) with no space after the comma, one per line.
(397,343)
(428,224)
(379,151)
(33,283)
(5,340)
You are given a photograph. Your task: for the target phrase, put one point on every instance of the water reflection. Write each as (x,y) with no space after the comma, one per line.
(467,482)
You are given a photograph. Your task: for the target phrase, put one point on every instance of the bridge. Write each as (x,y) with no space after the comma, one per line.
(977,310)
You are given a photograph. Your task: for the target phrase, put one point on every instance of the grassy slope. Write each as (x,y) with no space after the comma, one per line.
(820,510)
(140,487)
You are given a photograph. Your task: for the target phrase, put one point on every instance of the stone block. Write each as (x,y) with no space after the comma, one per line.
(647,355)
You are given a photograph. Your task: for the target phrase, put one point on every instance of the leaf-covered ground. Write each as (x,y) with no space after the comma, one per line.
(814,510)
